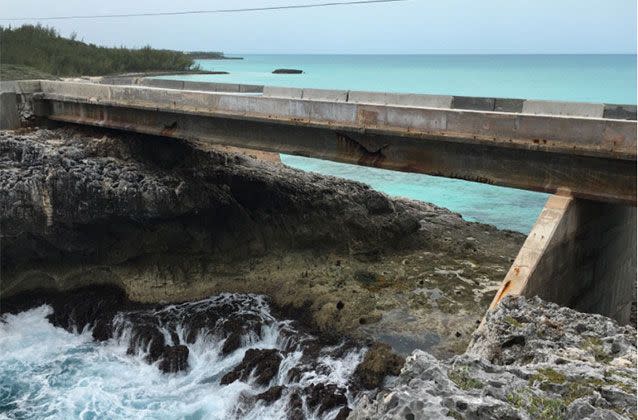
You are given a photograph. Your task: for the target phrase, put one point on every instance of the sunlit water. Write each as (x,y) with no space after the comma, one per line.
(588,78)
(48,372)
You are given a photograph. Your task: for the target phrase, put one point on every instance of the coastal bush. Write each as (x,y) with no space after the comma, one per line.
(44,49)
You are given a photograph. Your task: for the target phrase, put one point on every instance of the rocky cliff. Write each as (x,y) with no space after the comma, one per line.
(168,220)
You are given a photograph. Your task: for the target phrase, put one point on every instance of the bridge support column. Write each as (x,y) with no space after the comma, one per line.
(9,119)
(580,254)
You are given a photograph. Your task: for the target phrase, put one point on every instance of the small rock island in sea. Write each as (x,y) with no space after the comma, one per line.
(324,297)
(287,71)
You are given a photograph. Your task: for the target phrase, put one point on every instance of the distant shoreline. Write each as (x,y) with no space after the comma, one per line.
(209,55)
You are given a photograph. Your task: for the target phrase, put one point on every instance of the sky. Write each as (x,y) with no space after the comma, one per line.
(410,27)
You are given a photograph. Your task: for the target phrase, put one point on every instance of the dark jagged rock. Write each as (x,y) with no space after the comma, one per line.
(201,321)
(343,413)
(103,329)
(75,310)
(174,359)
(378,362)
(324,398)
(71,188)
(271,395)
(232,343)
(234,328)
(262,363)
(147,336)
(295,407)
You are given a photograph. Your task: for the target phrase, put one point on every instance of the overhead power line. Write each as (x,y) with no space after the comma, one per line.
(199,12)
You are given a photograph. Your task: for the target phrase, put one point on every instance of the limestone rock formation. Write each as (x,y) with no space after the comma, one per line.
(532,359)
(169,221)
(378,363)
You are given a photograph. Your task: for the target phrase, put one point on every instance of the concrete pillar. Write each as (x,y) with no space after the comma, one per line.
(580,254)
(9,119)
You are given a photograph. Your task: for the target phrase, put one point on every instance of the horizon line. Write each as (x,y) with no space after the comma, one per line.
(237,54)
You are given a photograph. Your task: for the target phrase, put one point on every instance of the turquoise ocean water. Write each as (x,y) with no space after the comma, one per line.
(589,78)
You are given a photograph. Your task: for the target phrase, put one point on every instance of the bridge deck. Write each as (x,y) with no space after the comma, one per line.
(586,149)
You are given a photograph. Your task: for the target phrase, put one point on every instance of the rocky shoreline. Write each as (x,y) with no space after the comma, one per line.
(293,372)
(532,360)
(171,221)
(114,229)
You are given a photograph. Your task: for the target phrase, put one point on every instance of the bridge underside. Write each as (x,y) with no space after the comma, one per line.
(585,176)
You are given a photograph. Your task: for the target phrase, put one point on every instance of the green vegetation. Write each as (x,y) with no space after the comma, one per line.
(461,377)
(546,377)
(566,391)
(42,49)
(595,346)
(210,55)
(17,72)
(537,406)
(513,322)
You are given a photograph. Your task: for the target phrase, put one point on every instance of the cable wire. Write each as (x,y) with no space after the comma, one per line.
(197,12)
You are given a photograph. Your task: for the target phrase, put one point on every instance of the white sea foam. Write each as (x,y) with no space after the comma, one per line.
(47,372)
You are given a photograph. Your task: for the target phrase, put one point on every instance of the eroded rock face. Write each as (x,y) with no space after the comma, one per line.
(263,364)
(68,195)
(172,221)
(323,398)
(174,359)
(532,360)
(524,332)
(380,361)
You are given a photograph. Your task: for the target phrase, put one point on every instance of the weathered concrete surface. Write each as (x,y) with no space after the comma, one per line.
(580,254)
(174,84)
(401,99)
(593,157)
(282,92)
(563,108)
(625,112)
(169,221)
(327,95)
(533,360)
(9,119)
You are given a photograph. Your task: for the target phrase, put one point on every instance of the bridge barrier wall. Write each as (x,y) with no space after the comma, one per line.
(524,106)
(520,106)
(563,108)
(179,84)
(282,92)
(162,83)
(325,95)
(401,99)
(20,86)
(588,135)
(580,254)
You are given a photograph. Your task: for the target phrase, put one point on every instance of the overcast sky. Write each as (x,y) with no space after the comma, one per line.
(414,26)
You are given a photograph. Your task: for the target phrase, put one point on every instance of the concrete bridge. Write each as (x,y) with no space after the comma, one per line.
(582,250)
